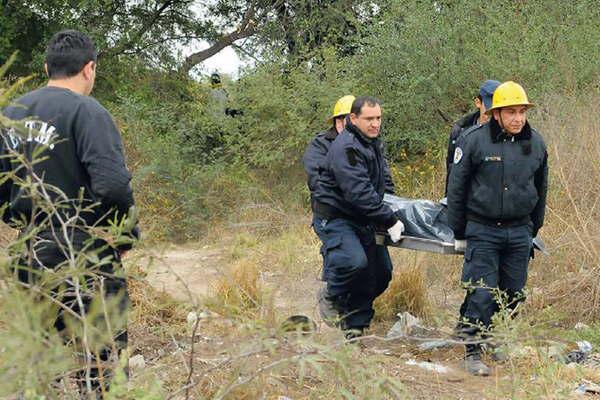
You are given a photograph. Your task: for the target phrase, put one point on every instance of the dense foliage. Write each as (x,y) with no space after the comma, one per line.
(424,59)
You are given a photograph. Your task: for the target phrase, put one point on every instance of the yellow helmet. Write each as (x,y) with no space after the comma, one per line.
(342,107)
(509,94)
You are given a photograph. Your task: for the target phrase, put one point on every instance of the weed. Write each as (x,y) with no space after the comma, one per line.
(407,292)
(238,291)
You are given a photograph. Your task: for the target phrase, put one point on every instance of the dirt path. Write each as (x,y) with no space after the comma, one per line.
(184,271)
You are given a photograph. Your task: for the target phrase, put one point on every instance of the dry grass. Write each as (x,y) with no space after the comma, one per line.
(238,292)
(407,292)
(151,307)
(569,277)
(7,235)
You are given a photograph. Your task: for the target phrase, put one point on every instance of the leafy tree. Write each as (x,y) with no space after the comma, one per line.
(152,29)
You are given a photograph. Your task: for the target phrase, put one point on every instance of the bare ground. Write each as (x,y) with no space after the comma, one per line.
(181,271)
(188,271)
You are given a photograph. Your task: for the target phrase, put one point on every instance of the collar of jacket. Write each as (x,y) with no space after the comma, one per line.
(468,120)
(350,127)
(331,133)
(498,133)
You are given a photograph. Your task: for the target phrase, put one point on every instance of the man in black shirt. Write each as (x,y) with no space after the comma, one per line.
(71,151)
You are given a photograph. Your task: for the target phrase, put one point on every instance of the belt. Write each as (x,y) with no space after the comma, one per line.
(504,223)
(326,211)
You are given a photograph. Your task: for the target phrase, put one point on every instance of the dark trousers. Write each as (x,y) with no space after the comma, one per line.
(356,270)
(106,282)
(496,261)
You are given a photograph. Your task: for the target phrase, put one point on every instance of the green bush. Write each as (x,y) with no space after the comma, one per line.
(283,109)
(424,60)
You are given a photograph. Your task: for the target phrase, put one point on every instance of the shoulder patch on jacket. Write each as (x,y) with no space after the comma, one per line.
(458,154)
(351,155)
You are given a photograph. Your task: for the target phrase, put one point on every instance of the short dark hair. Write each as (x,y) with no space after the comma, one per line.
(360,101)
(68,52)
(215,78)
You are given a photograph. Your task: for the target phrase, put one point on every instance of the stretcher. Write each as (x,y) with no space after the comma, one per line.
(438,246)
(426,227)
(418,244)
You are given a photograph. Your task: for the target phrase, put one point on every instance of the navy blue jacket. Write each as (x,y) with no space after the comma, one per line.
(498,177)
(355,180)
(315,156)
(459,126)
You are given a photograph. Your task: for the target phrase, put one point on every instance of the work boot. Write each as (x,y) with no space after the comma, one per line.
(353,333)
(327,309)
(473,363)
(353,336)
(475,366)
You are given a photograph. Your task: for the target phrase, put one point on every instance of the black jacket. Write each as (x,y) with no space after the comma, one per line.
(315,156)
(355,180)
(496,177)
(82,155)
(459,126)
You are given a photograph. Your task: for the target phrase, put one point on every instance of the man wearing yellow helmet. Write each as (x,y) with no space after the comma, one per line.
(347,177)
(315,162)
(315,156)
(496,201)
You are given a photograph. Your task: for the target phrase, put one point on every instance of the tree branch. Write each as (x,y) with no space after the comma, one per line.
(246,29)
(125,44)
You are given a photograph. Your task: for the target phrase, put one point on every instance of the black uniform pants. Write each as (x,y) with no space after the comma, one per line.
(105,283)
(496,261)
(355,268)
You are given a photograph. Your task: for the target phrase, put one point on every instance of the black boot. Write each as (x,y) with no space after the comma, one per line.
(473,363)
(327,310)
(353,333)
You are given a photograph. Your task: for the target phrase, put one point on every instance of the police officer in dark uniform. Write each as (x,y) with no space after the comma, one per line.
(82,165)
(315,156)
(496,203)
(315,163)
(348,205)
(483,102)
